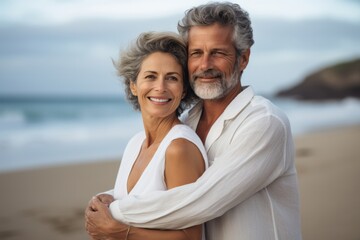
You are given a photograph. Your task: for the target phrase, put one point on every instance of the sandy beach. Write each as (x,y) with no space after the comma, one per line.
(48,203)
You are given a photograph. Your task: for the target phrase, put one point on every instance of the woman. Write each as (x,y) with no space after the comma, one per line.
(167,153)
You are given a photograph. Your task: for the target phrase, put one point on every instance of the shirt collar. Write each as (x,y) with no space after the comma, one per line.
(238,103)
(231,111)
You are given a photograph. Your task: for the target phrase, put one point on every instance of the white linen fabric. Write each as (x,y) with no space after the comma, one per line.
(250,190)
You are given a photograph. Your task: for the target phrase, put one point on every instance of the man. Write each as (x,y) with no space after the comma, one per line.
(250,190)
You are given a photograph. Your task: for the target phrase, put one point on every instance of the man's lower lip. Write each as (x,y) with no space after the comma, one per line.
(207,79)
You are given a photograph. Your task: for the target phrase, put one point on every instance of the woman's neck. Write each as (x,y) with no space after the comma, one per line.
(157,128)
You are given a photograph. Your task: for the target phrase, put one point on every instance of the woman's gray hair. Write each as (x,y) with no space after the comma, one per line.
(224,13)
(129,64)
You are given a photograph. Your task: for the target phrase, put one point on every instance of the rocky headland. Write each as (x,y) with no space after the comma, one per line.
(334,82)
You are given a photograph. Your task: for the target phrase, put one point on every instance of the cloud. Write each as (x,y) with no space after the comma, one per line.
(59,12)
(314,35)
(301,10)
(69,58)
(65,47)
(75,58)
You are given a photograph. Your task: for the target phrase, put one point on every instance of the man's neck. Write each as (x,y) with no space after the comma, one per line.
(212,109)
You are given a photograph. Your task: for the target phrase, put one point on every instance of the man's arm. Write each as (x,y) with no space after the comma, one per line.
(184,164)
(100,225)
(253,161)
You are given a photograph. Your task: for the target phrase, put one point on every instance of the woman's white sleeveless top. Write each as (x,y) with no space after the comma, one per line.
(152,179)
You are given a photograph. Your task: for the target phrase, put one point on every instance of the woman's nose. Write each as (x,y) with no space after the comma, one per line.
(160,85)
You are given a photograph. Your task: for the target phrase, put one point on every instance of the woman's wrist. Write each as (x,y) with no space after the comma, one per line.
(128,233)
(118,230)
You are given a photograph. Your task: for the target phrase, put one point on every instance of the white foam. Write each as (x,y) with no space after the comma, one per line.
(11,118)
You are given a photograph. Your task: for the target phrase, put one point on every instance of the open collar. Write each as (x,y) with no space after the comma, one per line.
(231,111)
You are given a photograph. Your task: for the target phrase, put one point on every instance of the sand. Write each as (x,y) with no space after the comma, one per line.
(48,203)
(328,165)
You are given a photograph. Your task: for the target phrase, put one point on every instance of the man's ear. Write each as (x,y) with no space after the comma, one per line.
(133,88)
(244,59)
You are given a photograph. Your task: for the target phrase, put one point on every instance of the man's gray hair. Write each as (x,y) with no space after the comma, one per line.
(224,13)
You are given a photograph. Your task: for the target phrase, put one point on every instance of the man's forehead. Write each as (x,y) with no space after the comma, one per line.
(213,35)
(216,27)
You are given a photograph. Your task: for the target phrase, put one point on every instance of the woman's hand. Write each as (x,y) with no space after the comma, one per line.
(99,222)
(105,198)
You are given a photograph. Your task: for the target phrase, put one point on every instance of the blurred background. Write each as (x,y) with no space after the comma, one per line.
(61,102)
(60,98)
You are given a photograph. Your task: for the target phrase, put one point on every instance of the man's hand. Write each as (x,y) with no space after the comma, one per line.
(99,223)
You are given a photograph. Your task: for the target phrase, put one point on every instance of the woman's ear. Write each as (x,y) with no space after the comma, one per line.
(133,88)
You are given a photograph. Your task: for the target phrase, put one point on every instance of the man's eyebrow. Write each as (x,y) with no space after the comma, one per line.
(195,48)
(221,48)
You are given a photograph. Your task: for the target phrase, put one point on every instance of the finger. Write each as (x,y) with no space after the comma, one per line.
(91,203)
(97,204)
(95,199)
(85,222)
(89,214)
(91,229)
(91,206)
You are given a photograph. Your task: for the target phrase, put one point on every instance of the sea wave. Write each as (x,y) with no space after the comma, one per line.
(97,131)
(311,116)
(11,118)
(70,133)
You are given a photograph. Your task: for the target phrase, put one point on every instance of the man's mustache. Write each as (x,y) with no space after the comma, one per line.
(211,73)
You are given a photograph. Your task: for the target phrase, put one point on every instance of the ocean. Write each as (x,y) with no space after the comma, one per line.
(37,132)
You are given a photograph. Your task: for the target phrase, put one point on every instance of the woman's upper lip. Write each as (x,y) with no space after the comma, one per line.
(160,99)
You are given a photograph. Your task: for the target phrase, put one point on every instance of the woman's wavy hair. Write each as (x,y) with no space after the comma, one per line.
(129,64)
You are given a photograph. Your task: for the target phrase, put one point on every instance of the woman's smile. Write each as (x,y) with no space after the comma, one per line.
(159,85)
(159,100)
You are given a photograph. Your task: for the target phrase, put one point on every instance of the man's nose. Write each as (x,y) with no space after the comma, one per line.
(205,63)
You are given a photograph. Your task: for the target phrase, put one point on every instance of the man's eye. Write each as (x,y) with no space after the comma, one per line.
(195,54)
(218,53)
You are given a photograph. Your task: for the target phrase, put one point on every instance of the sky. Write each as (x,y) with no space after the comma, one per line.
(62,11)
(63,47)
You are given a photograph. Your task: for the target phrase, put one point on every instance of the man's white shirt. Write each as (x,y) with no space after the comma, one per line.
(249,191)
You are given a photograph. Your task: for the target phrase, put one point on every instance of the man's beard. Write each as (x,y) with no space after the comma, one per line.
(214,90)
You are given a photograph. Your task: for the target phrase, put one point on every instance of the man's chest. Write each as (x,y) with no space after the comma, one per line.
(219,145)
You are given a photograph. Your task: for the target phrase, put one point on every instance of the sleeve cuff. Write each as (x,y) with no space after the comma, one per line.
(116,212)
(110,192)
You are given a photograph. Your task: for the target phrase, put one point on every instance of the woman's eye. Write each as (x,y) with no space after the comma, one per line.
(149,77)
(172,78)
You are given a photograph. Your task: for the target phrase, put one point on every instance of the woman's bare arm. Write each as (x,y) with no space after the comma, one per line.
(184,164)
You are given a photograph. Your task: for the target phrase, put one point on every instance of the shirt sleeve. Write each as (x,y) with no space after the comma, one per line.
(110,192)
(254,159)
